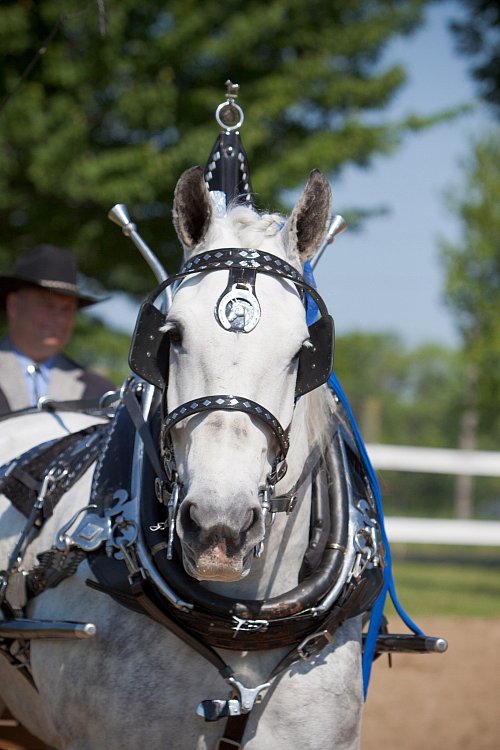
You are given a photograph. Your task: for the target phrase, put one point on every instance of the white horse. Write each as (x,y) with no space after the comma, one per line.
(136,683)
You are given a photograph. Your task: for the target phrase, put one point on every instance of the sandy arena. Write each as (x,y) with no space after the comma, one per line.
(439,701)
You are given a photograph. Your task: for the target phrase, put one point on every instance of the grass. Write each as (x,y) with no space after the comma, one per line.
(451,581)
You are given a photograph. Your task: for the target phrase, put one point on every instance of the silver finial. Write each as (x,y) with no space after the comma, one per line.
(337,225)
(229,115)
(119,215)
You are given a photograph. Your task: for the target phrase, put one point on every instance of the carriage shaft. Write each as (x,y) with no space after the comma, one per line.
(28,629)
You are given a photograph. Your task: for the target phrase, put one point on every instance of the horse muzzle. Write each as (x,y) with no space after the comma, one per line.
(218,544)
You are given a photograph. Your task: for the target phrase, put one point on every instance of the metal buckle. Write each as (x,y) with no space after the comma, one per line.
(313,644)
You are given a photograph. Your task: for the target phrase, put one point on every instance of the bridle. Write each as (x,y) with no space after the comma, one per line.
(149,351)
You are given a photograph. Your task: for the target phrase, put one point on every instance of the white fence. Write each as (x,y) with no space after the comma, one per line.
(443,531)
(435,460)
(438,461)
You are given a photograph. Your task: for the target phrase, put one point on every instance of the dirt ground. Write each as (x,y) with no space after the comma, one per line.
(445,701)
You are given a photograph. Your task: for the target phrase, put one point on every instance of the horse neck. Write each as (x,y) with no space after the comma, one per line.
(287,539)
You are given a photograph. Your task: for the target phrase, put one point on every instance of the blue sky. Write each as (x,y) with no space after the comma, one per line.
(387,277)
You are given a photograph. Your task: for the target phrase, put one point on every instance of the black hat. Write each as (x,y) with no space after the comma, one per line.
(47,267)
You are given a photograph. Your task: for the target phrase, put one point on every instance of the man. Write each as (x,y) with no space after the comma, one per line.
(41,298)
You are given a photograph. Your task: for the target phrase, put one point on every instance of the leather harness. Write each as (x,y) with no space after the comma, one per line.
(213,621)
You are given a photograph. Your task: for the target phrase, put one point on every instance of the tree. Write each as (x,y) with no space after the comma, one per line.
(472,268)
(403,397)
(479,37)
(116,118)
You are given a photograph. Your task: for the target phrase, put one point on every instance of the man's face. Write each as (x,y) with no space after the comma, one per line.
(40,321)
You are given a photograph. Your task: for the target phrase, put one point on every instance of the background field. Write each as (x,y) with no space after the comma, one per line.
(447,580)
(441,701)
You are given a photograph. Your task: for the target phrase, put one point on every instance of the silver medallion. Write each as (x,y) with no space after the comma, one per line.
(238,309)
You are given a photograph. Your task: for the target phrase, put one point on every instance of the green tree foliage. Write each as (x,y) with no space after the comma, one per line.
(472,266)
(400,395)
(478,36)
(110,118)
(412,396)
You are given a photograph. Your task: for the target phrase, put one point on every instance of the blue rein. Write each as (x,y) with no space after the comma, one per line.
(388,586)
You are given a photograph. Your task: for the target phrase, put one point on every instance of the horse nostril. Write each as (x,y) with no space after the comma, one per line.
(188,517)
(252,518)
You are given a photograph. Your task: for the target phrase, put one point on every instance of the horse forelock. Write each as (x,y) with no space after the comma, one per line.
(245,227)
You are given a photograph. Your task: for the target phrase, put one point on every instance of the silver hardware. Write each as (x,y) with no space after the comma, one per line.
(258,550)
(242,704)
(88,535)
(313,643)
(172,513)
(28,629)
(371,526)
(119,215)
(337,226)
(238,309)
(364,508)
(363,544)
(248,696)
(229,115)
(123,536)
(16,555)
(160,526)
(142,551)
(267,493)
(248,626)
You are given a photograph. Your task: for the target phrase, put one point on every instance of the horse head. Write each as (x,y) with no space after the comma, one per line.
(242,341)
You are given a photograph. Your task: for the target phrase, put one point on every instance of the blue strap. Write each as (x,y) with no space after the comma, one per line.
(312,309)
(388,585)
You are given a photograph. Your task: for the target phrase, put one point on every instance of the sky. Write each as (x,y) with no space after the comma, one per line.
(387,276)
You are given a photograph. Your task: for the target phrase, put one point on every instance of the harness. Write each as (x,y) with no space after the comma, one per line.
(125,540)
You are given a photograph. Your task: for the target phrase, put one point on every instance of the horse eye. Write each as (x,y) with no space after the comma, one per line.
(175,336)
(305,345)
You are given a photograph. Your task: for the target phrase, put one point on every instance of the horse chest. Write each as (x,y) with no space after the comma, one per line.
(138,683)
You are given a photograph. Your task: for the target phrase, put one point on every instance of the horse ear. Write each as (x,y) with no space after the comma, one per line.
(309,219)
(192,211)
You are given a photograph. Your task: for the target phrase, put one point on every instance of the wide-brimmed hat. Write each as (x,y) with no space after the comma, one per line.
(47,267)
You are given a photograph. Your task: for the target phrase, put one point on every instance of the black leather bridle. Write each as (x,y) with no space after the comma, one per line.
(149,353)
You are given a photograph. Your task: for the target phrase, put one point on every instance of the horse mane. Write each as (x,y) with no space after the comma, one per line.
(315,409)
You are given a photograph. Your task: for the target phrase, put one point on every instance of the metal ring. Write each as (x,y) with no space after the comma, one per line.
(226,108)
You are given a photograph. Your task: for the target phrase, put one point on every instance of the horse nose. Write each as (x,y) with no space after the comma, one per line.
(217,540)
(211,523)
